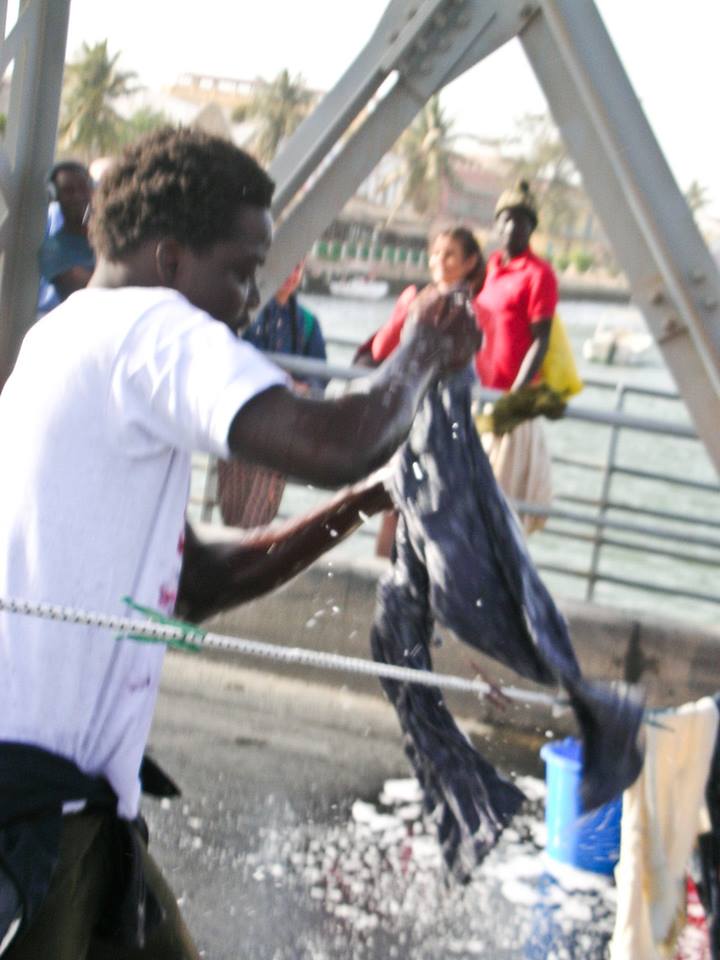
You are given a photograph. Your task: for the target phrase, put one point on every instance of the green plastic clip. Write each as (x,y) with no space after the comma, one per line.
(191,639)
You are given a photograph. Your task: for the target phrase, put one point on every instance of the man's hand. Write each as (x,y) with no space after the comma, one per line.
(246,564)
(452,317)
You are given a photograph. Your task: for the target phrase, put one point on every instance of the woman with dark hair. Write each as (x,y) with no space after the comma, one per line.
(456,263)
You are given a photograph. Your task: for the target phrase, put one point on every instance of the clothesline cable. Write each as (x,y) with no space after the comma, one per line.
(174,633)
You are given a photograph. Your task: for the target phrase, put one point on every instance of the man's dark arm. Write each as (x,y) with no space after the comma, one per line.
(532,361)
(335,442)
(219,575)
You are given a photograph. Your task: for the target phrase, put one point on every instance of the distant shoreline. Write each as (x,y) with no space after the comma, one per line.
(569,289)
(597,293)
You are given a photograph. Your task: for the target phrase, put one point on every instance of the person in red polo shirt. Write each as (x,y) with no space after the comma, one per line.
(519,298)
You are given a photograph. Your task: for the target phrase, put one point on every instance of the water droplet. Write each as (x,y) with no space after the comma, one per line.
(417,470)
(478,602)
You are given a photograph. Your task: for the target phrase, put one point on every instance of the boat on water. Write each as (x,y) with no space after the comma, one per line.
(359,288)
(618,345)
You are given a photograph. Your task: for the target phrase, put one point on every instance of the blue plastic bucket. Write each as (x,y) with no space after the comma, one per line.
(590,841)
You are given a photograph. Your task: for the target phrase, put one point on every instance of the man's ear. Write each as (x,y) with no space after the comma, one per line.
(168,253)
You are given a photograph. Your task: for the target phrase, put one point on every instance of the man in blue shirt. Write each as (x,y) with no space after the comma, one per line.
(284,326)
(249,495)
(66,258)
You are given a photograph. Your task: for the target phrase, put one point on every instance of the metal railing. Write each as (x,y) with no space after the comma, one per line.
(603,524)
(652,539)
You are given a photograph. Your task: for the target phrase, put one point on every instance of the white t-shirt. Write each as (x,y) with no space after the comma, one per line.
(111,393)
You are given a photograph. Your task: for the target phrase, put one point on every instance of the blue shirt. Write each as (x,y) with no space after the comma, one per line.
(289,328)
(63,251)
(47,294)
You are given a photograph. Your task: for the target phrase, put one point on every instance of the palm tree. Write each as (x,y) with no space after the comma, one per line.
(279,106)
(143,121)
(696,196)
(90,125)
(426,161)
(546,163)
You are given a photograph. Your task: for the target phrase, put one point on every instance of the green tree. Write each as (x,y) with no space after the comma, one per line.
(427,159)
(240,113)
(143,121)
(697,196)
(279,107)
(546,164)
(90,125)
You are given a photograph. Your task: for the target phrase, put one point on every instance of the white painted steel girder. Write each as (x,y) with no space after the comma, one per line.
(673,277)
(35,49)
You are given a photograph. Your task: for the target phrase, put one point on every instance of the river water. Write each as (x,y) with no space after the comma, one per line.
(355,320)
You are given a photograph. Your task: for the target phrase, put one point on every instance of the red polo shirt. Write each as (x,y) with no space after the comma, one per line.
(516,294)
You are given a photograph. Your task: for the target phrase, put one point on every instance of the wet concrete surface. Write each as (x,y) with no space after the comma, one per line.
(289,843)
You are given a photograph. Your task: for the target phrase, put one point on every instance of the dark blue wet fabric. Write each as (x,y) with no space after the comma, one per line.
(462,562)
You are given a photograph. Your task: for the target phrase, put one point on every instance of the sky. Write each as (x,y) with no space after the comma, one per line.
(670,51)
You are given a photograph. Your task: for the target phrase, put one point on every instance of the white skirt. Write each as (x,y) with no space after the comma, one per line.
(521,463)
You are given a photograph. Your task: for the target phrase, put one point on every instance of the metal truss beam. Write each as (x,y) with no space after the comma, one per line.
(35,49)
(673,277)
(418,47)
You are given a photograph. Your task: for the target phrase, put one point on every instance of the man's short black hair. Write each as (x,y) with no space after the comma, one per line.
(67,166)
(180,183)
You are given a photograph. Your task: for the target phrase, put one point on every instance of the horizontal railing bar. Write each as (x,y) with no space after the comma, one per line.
(660,393)
(336,341)
(651,475)
(633,584)
(311,367)
(576,411)
(308,366)
(578,462)
(631,545)
(667,478)
(600,521)
(590,520)
(659,588)
(645,511)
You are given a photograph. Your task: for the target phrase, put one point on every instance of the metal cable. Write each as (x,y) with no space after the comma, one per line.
(189,636)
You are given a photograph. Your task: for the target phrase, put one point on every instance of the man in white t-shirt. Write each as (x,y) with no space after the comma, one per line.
(111,394)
